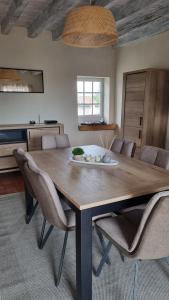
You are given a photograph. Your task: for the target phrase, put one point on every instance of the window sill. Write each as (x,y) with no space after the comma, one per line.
(97,127)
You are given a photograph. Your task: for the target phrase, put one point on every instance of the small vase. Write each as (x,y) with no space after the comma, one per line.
(78,157)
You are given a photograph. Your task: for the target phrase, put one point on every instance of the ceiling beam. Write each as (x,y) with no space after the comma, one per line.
(143,16)
(124,8)
(52,16)
(15,10)
(155,27)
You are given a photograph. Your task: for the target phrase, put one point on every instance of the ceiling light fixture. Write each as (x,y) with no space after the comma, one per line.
(90,26)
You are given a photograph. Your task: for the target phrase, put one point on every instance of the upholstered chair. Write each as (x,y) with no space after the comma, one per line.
(21,157)
(51,206)
(155,156)
(55,141)
(162,159)
(138,234)
(123,146)
(149,154)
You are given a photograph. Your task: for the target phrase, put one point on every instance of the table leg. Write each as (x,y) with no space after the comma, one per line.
(83,255)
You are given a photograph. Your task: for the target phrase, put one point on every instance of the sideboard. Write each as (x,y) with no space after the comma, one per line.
(26,136)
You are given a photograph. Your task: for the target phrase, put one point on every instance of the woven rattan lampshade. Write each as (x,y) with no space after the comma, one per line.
(90,26)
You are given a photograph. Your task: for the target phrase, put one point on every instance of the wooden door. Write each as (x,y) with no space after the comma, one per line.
(35,136)
(133,108)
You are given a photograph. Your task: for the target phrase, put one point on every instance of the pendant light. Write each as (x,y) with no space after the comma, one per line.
(90,26)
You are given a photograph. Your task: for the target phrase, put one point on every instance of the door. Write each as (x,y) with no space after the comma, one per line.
(134,94)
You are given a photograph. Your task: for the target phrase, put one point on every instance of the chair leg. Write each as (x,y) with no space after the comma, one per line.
(43,239)
(102,242)
(29,217)
(136,265)
(62,259)
(104,258)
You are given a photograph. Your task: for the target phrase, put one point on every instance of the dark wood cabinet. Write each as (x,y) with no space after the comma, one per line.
(146,106)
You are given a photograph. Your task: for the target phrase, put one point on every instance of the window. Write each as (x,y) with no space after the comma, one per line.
(90,100)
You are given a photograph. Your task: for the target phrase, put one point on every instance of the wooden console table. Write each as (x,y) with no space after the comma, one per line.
(26,136)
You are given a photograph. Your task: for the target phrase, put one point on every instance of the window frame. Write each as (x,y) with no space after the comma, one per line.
(92,117)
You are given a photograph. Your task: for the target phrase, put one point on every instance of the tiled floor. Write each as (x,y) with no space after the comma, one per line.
(11,183)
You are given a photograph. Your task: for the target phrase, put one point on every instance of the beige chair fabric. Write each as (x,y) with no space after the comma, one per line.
(141,234)
(162,159)
(21,157)
(123,146)
(55,141)
(46,194)
(155,156)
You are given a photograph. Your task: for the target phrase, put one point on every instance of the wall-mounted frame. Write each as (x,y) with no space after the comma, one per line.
(13,80)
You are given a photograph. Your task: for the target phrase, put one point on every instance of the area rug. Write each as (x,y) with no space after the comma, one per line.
(28,273)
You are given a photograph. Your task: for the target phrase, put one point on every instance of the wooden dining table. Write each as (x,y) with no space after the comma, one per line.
(93,190)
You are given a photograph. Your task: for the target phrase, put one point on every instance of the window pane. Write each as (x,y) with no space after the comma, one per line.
(88,98)
(96,98)
(88,86)
(80,110)
(80,86)
(96,86)
(88,110)
(96,109)
(80,98)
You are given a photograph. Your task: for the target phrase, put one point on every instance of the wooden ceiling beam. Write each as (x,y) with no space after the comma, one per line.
(143,16)
(52,16)
(15,10)
(147,30)
(143,23)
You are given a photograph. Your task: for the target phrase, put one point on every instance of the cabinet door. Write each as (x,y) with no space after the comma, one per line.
(134,134)
(35,137)
(7,149)
(8,162)
(134,95)
(135,120)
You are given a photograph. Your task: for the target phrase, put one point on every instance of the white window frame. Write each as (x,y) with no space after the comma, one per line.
(92,118)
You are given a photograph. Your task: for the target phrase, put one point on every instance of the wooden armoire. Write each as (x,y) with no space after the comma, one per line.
(146,106)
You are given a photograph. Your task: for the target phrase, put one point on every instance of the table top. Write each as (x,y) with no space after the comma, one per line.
(89,186)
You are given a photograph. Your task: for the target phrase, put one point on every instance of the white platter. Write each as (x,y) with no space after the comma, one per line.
(112,163)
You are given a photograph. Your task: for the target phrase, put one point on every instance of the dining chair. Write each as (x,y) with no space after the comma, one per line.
(21,157)
(123,146)
(55,141)
(51,207)
(139,235)
(149,154)
(155,156)
(162,159)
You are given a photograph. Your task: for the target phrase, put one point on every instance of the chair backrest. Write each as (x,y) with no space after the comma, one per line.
(152,238)
(162,159)
(21,157)
(55,141)
(155,156)
(123,146)
(46,194)
(149,154)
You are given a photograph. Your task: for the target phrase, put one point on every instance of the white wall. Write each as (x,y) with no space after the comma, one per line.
(61,65)
(152,52)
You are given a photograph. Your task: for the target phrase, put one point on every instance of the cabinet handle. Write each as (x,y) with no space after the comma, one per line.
(141,121)
(140,134)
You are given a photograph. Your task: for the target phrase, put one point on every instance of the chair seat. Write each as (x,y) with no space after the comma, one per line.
(121,229)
